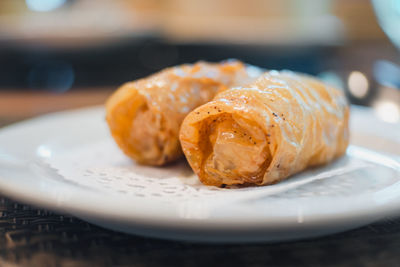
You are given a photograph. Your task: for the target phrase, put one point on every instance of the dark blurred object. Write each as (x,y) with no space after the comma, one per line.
(57,69)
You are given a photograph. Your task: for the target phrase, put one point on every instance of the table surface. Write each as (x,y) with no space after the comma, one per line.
(30,236)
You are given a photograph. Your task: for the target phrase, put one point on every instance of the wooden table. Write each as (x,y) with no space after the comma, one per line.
(34,237)
(17,105)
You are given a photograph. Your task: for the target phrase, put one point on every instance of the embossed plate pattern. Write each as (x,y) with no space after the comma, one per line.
(69,163)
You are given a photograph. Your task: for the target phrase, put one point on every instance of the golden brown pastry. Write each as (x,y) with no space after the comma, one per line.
(144,116)
(266,131)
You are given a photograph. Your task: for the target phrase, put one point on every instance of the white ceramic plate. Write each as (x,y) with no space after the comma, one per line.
(67,162)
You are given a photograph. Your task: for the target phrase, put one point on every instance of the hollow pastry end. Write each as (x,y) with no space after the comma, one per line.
(225,148)
(138,128)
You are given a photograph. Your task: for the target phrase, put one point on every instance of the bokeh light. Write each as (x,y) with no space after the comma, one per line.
(44,5)
(387,73)
(56,76)
(332,78)
(358,84)
(388,111)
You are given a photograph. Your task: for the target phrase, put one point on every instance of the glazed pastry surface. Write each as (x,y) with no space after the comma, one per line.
(266,131)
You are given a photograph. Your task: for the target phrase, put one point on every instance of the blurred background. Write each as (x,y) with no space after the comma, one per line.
(60,54)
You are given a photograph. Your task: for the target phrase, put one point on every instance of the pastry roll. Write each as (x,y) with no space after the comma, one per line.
(266,131)
(145,116)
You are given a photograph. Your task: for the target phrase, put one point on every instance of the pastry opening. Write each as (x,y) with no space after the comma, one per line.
(237,151)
